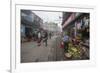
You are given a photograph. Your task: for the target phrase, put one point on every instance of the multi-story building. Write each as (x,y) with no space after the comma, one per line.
(37,23)
(29,23)
(50,26)
(26,24)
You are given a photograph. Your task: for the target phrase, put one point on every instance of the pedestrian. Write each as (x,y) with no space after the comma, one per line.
(65,41)
(46,38)
(35,36)
(50,35)
(39,38)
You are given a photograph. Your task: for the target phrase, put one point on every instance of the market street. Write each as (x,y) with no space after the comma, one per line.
(54,36)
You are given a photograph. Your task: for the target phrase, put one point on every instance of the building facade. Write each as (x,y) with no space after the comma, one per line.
(50,26)
(29,23)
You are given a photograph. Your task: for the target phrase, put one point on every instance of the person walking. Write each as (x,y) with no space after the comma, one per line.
(39,38)
(65,41)
(50,35)
(46,38)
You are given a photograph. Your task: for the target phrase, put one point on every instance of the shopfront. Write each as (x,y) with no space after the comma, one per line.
(78,32)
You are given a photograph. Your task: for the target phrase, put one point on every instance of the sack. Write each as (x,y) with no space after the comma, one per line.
(62,45)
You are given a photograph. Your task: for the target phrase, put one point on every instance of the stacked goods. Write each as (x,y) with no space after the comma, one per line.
(73,52)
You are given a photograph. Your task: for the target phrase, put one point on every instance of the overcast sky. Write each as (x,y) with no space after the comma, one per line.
(49,16)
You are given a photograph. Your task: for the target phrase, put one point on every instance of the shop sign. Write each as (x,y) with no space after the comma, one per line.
(71,18)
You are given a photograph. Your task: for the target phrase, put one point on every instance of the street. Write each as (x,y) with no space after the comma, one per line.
(30,52)
(64,35)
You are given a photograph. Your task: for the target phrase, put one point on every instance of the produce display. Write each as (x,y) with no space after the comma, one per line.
(77,47)
(74,52)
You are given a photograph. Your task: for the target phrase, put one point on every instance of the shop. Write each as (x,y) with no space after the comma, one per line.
(79,33)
